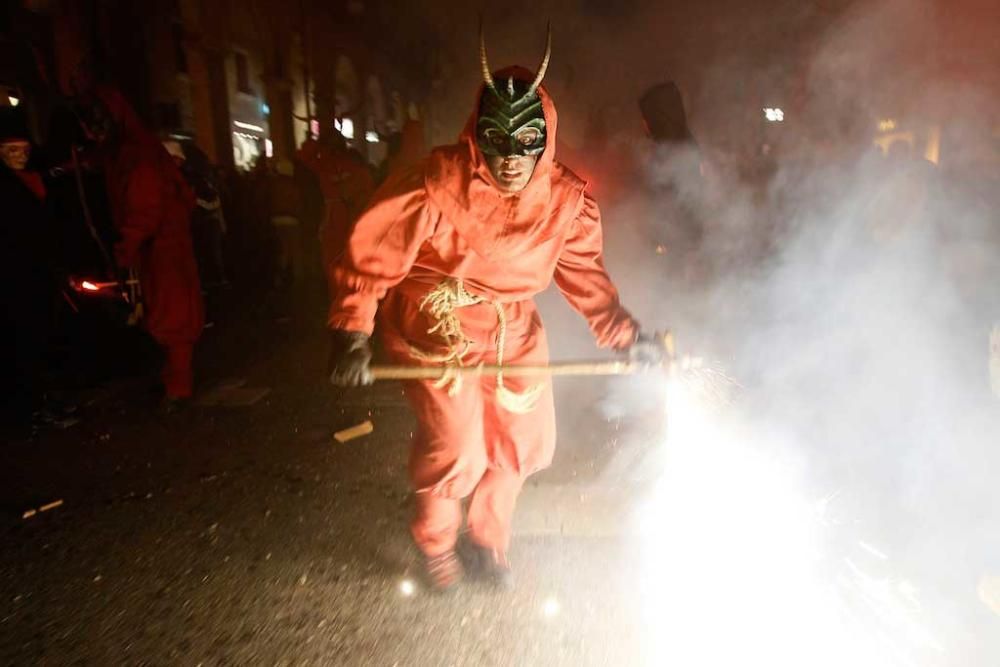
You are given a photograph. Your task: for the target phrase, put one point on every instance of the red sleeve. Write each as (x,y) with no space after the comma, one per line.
(380,251)
(584,282)
(144,206)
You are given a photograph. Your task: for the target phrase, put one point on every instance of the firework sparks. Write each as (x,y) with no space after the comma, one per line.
(736,557)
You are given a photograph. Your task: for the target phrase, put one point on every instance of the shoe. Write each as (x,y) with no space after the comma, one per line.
(62,408)
(443,572)
(491,565)
(46,418)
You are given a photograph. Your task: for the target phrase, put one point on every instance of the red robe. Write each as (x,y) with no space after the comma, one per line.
(446,219)
(151,205)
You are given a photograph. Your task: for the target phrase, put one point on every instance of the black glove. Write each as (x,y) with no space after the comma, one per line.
(350,355)
(647,350)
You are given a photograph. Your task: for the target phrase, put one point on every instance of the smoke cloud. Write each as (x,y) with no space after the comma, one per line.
(850,287)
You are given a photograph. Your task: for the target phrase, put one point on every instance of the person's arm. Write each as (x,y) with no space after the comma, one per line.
(380,252)
(584,282)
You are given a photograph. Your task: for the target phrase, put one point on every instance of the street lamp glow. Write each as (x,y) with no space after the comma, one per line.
(14,101)
(407,588)
(774,114)
(371,137)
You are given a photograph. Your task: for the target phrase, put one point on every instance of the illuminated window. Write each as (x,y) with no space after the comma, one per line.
(345,126)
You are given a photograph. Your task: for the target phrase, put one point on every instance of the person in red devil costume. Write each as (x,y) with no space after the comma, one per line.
(455,249)
(151,205)
(347,187)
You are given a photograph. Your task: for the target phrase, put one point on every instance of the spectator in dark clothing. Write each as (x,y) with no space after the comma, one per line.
(673,179)
(285,207)
(311,219)
(29,280)
(208,223)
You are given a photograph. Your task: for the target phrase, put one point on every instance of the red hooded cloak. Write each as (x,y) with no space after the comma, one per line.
(151,205)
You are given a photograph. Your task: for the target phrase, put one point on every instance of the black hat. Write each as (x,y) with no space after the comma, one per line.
(663,110)
(13,125)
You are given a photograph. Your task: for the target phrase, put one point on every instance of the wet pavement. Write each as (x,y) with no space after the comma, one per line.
(247,535)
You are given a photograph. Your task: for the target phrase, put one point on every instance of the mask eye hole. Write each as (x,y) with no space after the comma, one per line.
(529,136)
(495,138)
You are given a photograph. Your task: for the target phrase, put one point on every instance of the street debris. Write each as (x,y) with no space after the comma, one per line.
(44,508)
(347,434)
(233,393)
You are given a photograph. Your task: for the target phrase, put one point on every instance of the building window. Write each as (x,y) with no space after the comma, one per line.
(243,74)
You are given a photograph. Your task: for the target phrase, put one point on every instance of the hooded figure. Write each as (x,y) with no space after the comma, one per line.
(451,254)
(151,205)
(409,151)
(346,184)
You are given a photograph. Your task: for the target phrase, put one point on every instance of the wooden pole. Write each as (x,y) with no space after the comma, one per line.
(610,367)
(585,367)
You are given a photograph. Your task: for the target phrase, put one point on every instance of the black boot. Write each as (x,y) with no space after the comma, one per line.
(490,565)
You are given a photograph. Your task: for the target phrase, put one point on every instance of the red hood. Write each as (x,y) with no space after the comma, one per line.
(498,225)
(131,131)
(134,145)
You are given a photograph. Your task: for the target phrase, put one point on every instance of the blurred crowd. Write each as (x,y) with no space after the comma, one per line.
(115,239)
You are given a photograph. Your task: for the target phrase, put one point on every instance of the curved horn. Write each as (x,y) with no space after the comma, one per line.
(545,62)
(483,62)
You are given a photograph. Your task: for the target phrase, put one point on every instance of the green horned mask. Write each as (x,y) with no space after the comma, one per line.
(511,121)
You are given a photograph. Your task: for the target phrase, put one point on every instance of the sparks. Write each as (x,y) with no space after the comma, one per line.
(732,545)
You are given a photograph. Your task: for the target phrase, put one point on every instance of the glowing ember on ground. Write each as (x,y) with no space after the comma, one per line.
(550,607)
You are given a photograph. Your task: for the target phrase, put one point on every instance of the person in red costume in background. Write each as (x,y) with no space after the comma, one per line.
(409,151)
(347,187)
(151,206)
(455,250)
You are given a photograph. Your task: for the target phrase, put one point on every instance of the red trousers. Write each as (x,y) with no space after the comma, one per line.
(175,313)
(177,375)
(468,444)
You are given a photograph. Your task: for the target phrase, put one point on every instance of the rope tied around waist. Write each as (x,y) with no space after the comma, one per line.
(442,304)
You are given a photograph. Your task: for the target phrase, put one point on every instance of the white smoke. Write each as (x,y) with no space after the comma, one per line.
(851,292)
